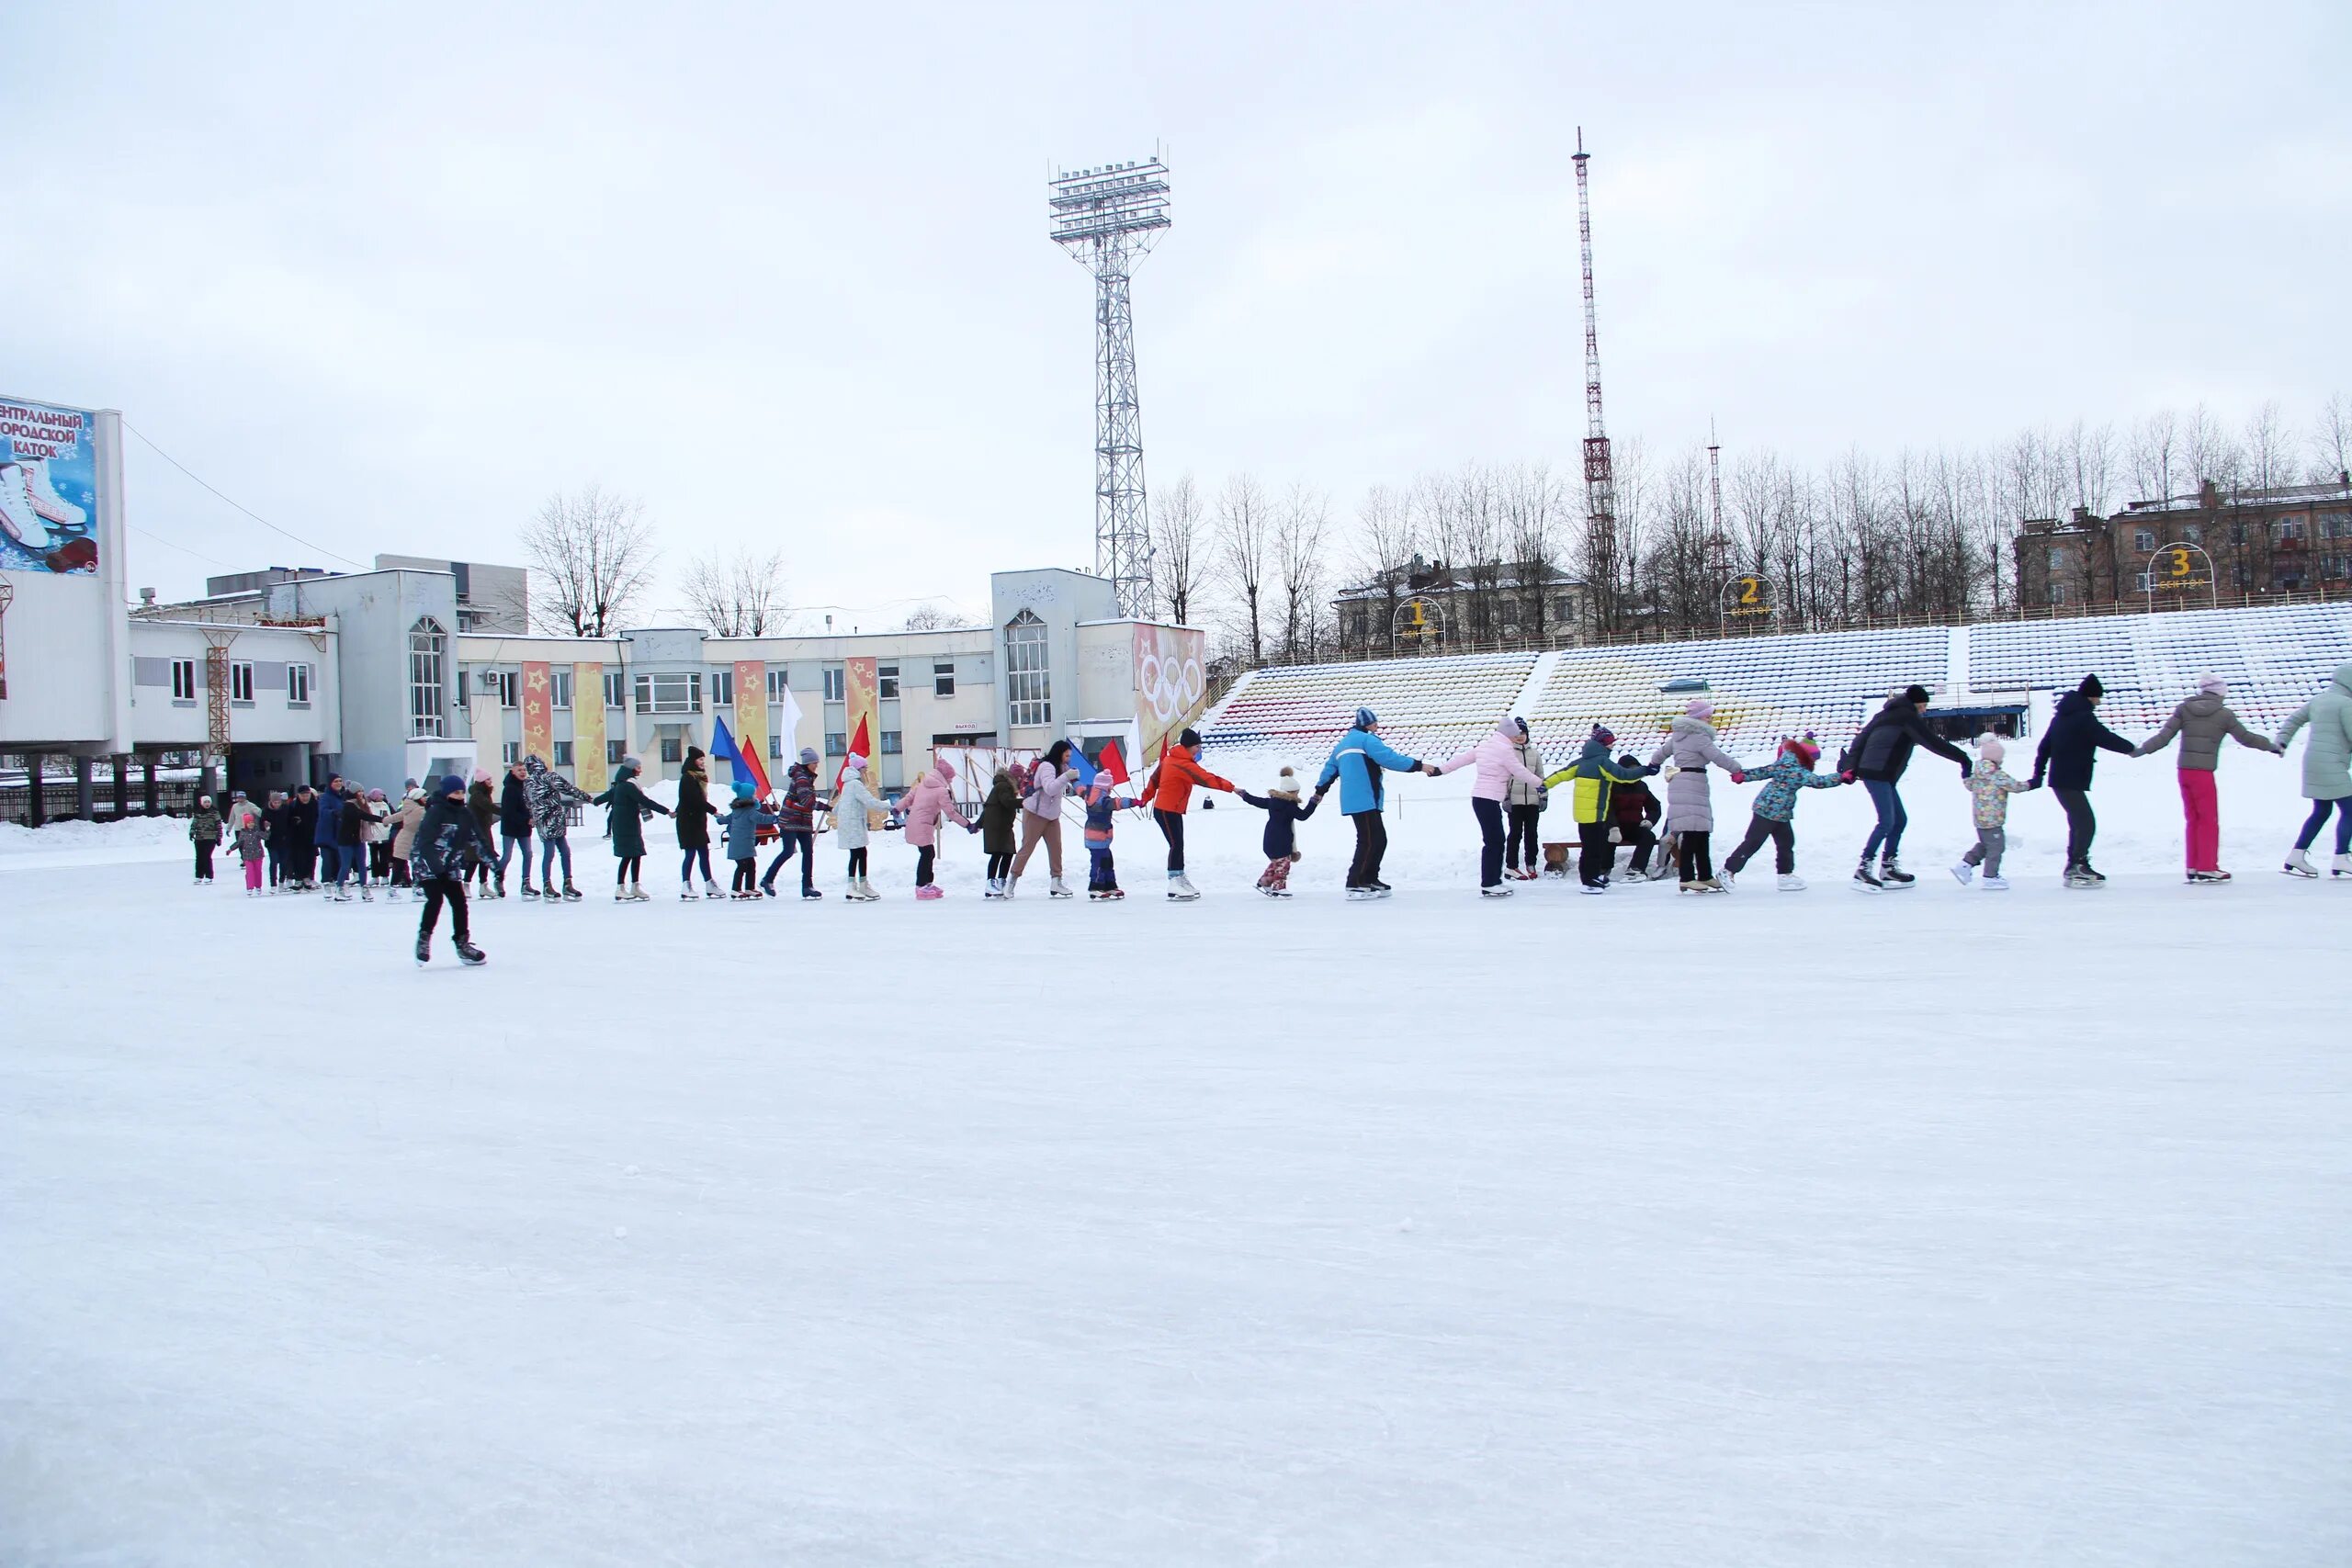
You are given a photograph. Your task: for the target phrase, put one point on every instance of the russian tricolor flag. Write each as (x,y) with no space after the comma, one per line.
(723,747)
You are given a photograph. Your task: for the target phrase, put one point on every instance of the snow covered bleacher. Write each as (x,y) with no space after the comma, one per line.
(1765,687)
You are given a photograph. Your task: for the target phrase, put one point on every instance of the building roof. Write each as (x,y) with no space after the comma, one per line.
(2338,489)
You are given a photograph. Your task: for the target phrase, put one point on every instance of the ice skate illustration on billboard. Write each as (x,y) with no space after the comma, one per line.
(48,489)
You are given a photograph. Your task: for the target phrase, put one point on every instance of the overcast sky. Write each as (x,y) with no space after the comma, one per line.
(389,280)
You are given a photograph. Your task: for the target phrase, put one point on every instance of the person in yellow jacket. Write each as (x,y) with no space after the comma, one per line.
(1596,775)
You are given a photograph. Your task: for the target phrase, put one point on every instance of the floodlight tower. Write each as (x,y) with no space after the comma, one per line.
(1599,480)
(1107,218)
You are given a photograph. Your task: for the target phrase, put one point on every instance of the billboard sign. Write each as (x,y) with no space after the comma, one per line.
(1172,684)
(48,489)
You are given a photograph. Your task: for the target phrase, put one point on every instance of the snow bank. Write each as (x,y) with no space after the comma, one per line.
(73,843)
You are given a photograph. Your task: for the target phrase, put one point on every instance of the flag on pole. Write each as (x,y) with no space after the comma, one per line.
(1084,769)
(1112,763)
(859,746)
(723,747)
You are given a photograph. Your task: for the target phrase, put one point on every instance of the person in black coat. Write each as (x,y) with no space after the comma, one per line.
(2069,750)
(447,843)
(300,829)
(513,827)
(1877,756)
(693,819)
(1284,813)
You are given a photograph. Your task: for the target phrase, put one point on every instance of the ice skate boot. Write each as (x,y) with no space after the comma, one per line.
(366,894)
(1180,888)
(928,893)
(1994,883)
(1791,883)
(1891,872)
(1726,880)
(528,892)
(1355,895)
(2341,868)
(1865,880)
(1056,889)
(1963,873)
(423,950)
(709,888)
(2298,865)
(1103,895)
(469,954)
(2078,877)
(570,894)
(686,893)
(1595,888)
(811,893)
(1496,892)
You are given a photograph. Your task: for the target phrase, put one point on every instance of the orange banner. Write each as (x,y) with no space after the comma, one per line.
(861,688)
(589,770)
(539,713)
(751,709)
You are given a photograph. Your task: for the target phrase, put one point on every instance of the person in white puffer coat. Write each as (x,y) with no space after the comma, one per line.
(851,801)
(2327,770)
(1689,807)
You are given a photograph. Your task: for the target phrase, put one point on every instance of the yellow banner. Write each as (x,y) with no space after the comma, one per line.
(539,713)
(861,687)
(752,710)
(588,766)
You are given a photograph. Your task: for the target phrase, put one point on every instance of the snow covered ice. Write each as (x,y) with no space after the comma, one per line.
(1939,1228)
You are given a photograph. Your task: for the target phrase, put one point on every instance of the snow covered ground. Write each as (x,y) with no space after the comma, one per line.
(1933,1228)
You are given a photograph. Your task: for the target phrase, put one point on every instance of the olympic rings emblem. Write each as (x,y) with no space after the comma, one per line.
(1170,686)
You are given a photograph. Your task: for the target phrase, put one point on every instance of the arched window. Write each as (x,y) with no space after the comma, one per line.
(428,647)
(1028,685)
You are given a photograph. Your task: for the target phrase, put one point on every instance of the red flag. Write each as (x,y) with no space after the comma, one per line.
(1111,763)
(858,747)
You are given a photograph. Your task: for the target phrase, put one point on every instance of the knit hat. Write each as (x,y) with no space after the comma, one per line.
(694,753)
(2213,684)
(1698,707)
(452,784)
(1989,746)
(481,776)
(1629,761)
(1190,740)
(204,800)
(856,764)
(1366,718)
(1605,735)
(1805,751)
(2091,688)
(1514,725)
(743,789)
(1917,695)
(1287,777)
(809,755)
(236,794)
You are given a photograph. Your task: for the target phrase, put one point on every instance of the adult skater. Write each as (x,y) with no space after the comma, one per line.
(552,796)
(1169,787)
(1689,745)
(296,829)
(327,833)
(795,817)
(627,806)
(484,806)
(355,828)
(694,812)
(2327,771)
(1522,849)
(1499,770)
(2201,721)
(1638,812)
(930,803)
(515,827)
(204,832)
(447,839)
(1041,818)
(1592,804)
(1355,765)
(853,807)
(2069,749)
(1877,756)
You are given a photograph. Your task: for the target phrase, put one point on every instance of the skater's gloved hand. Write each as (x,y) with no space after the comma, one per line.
(1738,775)
(1846,777)
(1966,770)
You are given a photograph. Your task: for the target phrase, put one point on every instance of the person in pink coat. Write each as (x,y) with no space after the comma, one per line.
(1497,757)
(931,802)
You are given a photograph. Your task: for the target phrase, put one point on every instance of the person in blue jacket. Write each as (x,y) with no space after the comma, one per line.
(1355,764)
(326,837)
(2070,747)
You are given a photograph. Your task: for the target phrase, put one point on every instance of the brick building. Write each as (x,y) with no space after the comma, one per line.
(2289,539)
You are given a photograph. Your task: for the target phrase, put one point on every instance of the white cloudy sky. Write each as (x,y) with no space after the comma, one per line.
(389,277)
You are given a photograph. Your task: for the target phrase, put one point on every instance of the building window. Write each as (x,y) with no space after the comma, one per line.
(2057,593)
(775,748)
(616,694)
(676,692)
(298,685)
(2332,567)
(1028,682)
(2237,533)
(510,688)
(2290,530)
(559,688)
(722,688)
(241,681)
(777,683)
(2143,583)
(564,754)
(2144,539)
(512,751)
(836,743)
(836,684)
(2192,533)
(893,745)
(942,678)
(428,651)
(673,749)
(2057,561)
(2335,524)
(2289,581)
(183,679)
(886,683)
(614,752)
(2241,574)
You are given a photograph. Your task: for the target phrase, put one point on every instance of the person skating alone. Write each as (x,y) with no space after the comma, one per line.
(852,803)
(2202,721)
(1774,813)
(1595,779)
(2069,751)
(1283,813)
(2327,773)
(626,807)
(204,832)
(1103,804)
(1170,787)
(692,820)
(1496,756)
(930,803)
(515,828)
(741,827)
(1000,831)
(552,797)
(1879,753)
(1690,746)
(449,840)
(796,826)
(1356,764)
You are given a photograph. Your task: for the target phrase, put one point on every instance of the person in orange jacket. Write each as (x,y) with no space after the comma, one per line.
(1169,787)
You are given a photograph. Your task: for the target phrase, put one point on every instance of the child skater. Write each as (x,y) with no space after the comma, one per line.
(741,827)
(930,803)
(999,829)
(1991,787)
(1284,813)
(251,841)
(1101,811)
(1775,810)
(851,801)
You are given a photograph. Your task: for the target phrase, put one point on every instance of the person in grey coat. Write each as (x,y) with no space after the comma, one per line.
(2327,771)
(1689,810)
(2202,722)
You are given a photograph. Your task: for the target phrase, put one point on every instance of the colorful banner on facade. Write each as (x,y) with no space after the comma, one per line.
(589,769)
(861,687)
(1172,684)
(539,713)
(48,489)
(751,708)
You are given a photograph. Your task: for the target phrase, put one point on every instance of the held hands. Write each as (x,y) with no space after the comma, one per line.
(1739,775)
(1846,777)
(1967,769)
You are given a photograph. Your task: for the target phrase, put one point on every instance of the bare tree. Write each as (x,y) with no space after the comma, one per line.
(1244,529)
(2268,462)
(1179,548)
(1534,509)
(1298,565)
(933,618)
(737,594)
(595,551)
(2155,456)
(2332,440)
(1387,541)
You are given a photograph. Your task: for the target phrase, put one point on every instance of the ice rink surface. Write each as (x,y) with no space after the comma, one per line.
(1931,1228)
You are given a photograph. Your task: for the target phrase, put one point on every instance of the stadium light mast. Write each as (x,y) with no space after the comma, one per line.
(1599,478)
(1108,218)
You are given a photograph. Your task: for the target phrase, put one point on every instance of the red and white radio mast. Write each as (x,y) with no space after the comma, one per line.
(1599,481)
